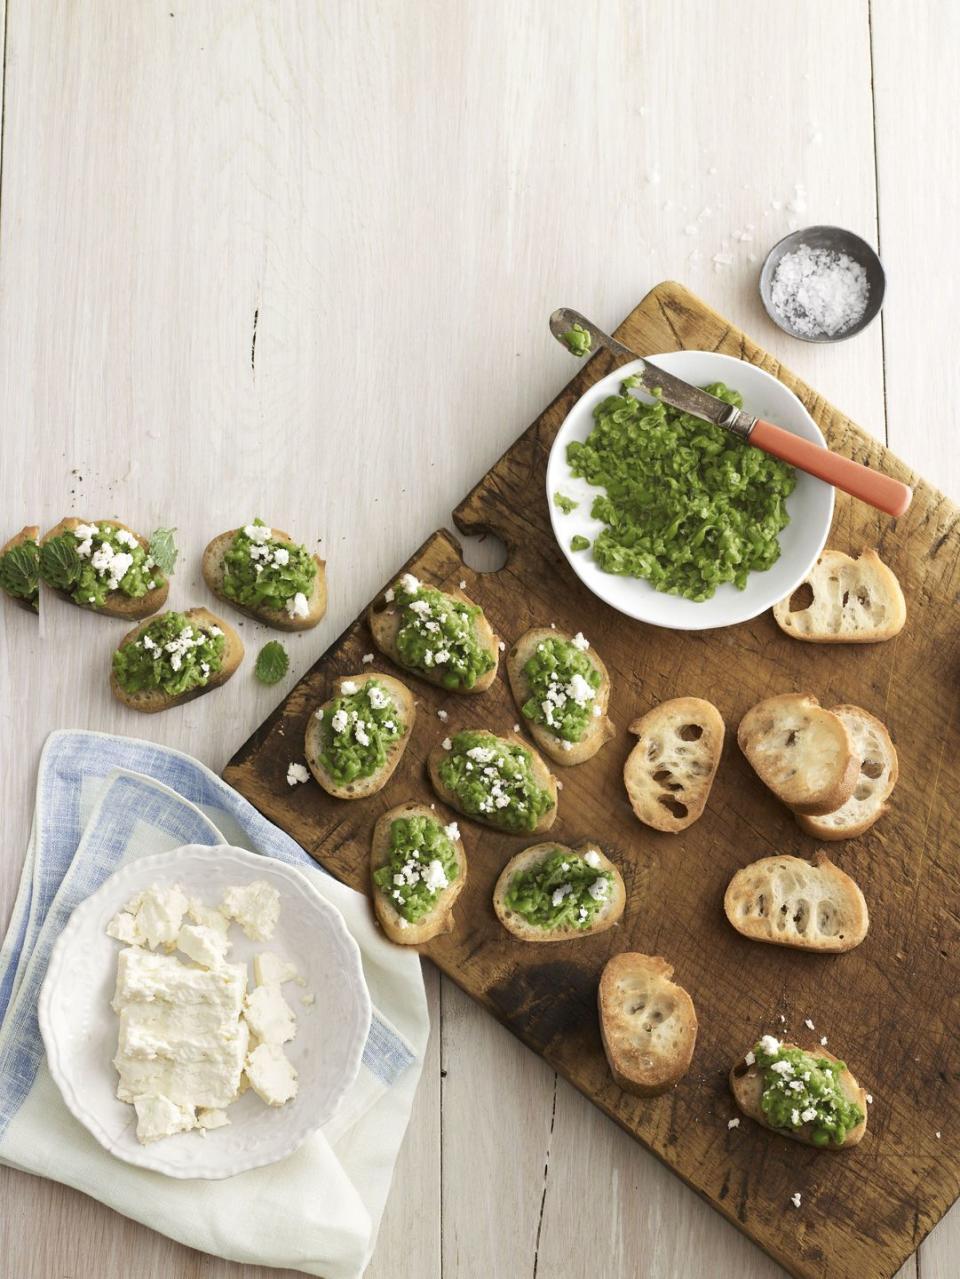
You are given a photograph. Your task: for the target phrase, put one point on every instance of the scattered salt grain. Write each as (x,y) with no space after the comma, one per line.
(819,292)
(691,229)
(720,260)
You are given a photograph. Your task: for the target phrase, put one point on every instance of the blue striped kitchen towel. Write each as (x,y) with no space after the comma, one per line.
(102,801)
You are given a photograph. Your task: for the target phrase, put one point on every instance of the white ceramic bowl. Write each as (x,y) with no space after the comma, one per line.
(810,505)
(79,1027)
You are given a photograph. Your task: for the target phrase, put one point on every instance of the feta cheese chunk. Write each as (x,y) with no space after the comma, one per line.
(255,907)
(271,970)
(203,945)
(269,1016)
(160,1117)
(208,917)
(154,919)
(212,1118)
(271,1075)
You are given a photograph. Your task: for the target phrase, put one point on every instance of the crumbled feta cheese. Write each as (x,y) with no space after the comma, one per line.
(770,1045)
(501,646)
(442,715)
(750,1058)
(271,1075)
(298,606)
(579,642)
(560,893)
(297,773)
(823,1040)
(869,1099)
(255,907)
(463,584)
(271,970)
(733,1123)
(367,659)
(205,946)
(389,595)
(410,583)
(349,686)
(592,858)
(281,557)
(258,532)
(599,890)
(434,877)
(269,1016)
(339,720)
(447,744)
(795,1199)
(809,1024)
(809,1115)
(377,697)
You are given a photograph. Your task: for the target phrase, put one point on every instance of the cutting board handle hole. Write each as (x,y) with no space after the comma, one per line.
(484,553)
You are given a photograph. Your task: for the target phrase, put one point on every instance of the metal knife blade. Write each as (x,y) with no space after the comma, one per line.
(656,381)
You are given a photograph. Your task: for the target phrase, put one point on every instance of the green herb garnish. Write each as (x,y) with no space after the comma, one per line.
(59,564)
(272,663)
(163,549)
(19,573)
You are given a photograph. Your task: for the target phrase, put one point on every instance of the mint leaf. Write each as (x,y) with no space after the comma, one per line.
(163,549)
(60,563)
(19,572)
(272,663)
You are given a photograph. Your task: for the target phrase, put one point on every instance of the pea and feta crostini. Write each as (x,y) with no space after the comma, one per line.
(20,568)
(103,566)
(499,781)
(172,658)
(418,868)
(442,636)
(553,893)
(262,572)
(356,739)
(562,689)
(809,1097)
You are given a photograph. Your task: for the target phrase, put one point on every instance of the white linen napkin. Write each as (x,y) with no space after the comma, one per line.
(101,802)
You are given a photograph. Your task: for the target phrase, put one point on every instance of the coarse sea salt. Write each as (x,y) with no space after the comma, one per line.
(819,292)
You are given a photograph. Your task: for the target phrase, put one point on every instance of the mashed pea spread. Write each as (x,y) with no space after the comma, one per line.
(172,654)
(801,1088)
(92,560)
(564,503)
(687,506)
(357,728)
(261,570)
(578,339)
(563,687)
(438,634)
(422,862)
(565,889)
(493,779)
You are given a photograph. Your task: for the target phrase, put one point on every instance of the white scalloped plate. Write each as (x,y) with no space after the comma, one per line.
(79,1027)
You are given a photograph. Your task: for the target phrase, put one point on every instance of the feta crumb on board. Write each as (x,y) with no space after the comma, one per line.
(297,774)
(795,1199)
(733,1123)
(366,659)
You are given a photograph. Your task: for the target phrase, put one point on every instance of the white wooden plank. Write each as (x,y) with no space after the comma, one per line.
(918,166)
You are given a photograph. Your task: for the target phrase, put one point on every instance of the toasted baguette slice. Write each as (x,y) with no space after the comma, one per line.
(116,604)
(669,773)
(790,902)
(30,533)
(599,728)
(383,617)
(802,752)
(440,918)
(153,700)
(605,918)
(278,618)
(648,1024)
(746,1084)
(542,775)
(855,601)
(879,769)
(363,786)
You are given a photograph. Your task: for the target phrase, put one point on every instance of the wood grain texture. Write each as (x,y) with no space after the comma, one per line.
(864,1213)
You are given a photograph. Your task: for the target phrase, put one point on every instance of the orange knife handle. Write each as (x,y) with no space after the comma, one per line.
(881,491)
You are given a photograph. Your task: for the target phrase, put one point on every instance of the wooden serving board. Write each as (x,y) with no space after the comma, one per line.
(890,1008)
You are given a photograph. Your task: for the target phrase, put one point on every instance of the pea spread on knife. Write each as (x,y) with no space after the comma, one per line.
(565,889)
(358,727)
(493,780)
(422,862)
(687,506)
(802,1088)
(172,654)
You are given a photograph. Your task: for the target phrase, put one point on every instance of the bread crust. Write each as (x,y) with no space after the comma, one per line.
(787,901)
(278,618)
(116,604)
(855,601)
(800,751)
(365,786)
(440,918)
(542,775)
(605,918)
(29,533)
(383,618)
(746,1084)
(154,700)
(868,803)
(666,745)
(599,728)
(646,1056)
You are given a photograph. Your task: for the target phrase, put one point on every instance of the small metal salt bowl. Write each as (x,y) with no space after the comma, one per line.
(839,241)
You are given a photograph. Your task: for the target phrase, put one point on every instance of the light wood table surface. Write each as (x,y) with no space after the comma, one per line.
(295,259)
